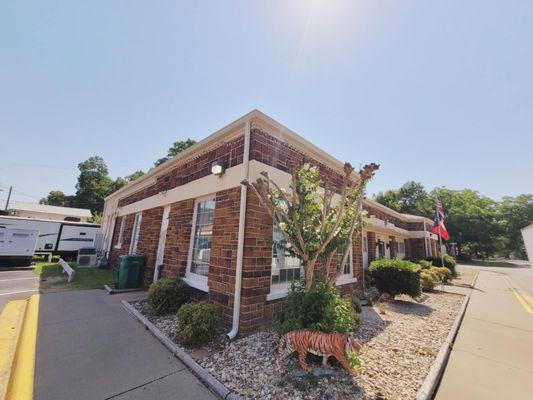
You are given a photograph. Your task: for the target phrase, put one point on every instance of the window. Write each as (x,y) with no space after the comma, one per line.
(348,266)
(135,233)
(285,268)
(21,235)
(121,232)
(401,247)
(200,251)
(365,244)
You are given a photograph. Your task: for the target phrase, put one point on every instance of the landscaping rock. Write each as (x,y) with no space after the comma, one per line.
(399,347)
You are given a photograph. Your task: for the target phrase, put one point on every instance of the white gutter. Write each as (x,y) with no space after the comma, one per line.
(240,240)
(425,240)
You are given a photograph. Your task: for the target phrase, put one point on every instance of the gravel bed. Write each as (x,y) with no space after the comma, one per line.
(398,350)
(400,342)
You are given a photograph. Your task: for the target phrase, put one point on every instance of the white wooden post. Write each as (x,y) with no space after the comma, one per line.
(67,269)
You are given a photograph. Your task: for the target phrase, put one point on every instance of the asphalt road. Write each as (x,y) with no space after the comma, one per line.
(17,284)
(521,275)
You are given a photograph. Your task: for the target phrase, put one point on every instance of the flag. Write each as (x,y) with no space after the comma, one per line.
(438,224)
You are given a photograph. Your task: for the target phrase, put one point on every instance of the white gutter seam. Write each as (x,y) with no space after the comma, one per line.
(240,241)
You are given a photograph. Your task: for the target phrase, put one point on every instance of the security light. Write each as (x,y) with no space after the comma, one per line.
(217,168)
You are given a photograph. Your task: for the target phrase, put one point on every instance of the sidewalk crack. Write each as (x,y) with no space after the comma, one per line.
(145,383)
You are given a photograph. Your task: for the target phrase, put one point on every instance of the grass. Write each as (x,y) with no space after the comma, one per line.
(84,278)
(481,263)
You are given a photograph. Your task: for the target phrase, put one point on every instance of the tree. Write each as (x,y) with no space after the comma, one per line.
(134,176)
(411,198)
(57,198)
(515,213)
(471,220)
(94,184)
(314,225)
(176,148)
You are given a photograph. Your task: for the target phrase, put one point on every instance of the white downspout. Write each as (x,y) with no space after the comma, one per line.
(240,239)
(425,240)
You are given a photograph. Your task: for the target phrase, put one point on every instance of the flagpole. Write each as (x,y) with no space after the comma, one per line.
(440,235)
(440,250)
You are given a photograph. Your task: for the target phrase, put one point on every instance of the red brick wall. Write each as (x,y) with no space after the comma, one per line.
(272,151)
(178,238)
(223,260)
(385,216)
(230,153)
(149,240)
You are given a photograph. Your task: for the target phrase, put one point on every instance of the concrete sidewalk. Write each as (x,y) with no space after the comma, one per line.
(492,357)
(89,347)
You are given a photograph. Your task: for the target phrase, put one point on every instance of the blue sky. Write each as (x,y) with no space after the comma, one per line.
(437,92)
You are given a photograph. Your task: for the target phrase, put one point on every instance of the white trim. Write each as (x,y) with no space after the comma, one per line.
(121,232)
(345,279)
(193,279)
(160,255)
(278,291)
(135,232)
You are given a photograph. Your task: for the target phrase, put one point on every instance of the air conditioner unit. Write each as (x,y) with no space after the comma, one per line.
(87,257)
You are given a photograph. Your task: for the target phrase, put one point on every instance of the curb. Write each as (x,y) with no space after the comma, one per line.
(18,338)
(209,380)
(110,290)
(11,322)
(427,390)
(474,280)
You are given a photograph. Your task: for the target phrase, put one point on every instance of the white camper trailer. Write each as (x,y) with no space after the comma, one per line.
(17,246)
(57,237)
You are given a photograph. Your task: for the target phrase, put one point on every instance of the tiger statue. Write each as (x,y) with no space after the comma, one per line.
(319,343)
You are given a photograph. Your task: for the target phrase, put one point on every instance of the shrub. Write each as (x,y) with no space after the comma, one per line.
(197,322)
(321,308)
(428,280)
(443,273)
(396,277)
(449,262)
(166,295)
(425,264)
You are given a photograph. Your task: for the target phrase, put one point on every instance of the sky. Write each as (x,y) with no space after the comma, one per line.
(439,92)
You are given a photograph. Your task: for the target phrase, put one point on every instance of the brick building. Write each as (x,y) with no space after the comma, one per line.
(192,215)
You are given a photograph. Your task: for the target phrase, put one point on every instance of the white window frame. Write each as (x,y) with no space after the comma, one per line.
(346,278)
(121,232)
(280,290)
(135,232)
(402,243)
(195,280)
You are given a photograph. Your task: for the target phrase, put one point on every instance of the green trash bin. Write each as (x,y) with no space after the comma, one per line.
(130,272)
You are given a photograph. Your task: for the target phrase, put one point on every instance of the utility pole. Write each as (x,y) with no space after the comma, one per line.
(8,197)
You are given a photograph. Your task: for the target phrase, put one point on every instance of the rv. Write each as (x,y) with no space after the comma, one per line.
(57,237)
(17,246)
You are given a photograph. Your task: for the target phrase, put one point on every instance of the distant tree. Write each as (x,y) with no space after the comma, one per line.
(134,176)
(96,218)
(176,148)
(57,198)
(411,198)
(94,184)
(515,214)
(472,221)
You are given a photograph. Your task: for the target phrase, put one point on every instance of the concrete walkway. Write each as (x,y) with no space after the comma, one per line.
(89,347)
(492,357)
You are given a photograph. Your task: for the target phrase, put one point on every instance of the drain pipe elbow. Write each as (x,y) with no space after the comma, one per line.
(240,240)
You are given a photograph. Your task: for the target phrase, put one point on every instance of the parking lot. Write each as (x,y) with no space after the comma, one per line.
(17,284)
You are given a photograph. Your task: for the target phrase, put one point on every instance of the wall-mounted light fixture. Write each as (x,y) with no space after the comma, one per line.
(217,168)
